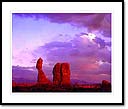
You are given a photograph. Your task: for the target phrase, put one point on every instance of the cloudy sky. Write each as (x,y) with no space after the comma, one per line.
(81,39)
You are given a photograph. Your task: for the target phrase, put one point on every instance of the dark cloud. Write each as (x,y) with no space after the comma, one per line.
(108,44)
(97,21)
(91,21)
(100,41)
(104,55)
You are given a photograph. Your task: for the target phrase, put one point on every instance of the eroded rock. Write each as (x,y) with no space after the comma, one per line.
(61,74)
(65,74)
(42,79)
(57,74)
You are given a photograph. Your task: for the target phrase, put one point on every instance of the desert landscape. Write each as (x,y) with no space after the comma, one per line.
(61,52)
(61,82)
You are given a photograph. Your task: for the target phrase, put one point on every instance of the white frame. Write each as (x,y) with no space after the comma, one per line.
(56,7)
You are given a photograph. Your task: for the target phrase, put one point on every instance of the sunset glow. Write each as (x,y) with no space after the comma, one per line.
(83,40)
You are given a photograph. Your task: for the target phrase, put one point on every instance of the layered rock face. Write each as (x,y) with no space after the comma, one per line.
(65,74)
(41,76)
(61,74)
(57,74)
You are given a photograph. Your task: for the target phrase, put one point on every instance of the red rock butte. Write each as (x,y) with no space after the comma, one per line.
(61,74)
(105,82)
(57,74)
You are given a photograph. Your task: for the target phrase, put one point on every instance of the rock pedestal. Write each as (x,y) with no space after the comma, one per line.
(41,76)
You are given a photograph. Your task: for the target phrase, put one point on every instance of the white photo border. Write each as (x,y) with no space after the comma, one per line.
(59,7)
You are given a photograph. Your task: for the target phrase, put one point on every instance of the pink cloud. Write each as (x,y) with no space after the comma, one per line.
(89,67)
(81,53)
(83,58)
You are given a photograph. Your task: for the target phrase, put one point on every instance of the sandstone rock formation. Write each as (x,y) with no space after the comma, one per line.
(57,74)
(106,85)
(41,76)
(61,74)
(14,84)
(65,74)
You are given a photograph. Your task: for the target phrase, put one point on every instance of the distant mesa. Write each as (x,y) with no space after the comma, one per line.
(14,84)
(105,82)
(106,85)
(42,79)
(61,74)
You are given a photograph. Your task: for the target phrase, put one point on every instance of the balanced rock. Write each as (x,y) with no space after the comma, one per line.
(41,76)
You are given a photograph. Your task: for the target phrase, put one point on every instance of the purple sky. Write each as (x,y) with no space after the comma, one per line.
(83,40)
